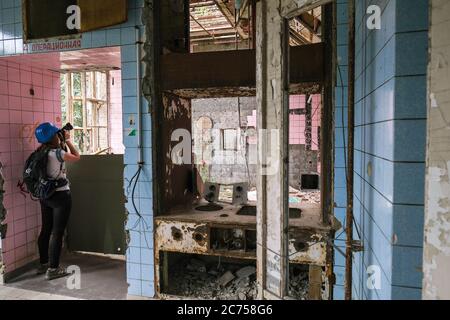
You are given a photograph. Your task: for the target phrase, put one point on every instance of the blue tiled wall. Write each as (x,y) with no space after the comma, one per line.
(389,168)
(139,255)
(341,121)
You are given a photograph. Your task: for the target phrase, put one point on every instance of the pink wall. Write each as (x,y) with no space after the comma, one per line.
(115,112)
(20,113)
(297,122)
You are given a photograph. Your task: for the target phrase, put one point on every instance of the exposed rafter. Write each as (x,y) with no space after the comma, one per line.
(230,17)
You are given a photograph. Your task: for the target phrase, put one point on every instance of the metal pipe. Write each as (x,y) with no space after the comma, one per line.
(350,150)
(139,95)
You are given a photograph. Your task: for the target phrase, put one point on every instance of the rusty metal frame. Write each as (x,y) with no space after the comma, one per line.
(327,129)
(350,148)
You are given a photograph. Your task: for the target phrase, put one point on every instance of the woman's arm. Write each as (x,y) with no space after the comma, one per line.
(74,155)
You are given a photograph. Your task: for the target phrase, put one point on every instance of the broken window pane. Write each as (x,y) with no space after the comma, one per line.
(100,89)
(76,85)
(102,115)
(88,97)
(89,85)
(90,113)
(229,139)
(77,114)
(63,99)
(102,138)
(78,139)
(88,148)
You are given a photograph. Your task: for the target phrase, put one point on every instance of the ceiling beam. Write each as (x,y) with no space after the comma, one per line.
(230,17)
(235,68)
(293,8)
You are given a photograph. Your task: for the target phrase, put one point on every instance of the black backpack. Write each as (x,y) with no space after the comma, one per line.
(35,175)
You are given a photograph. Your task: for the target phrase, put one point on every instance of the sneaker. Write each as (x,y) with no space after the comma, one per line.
(52,274)
(42,268)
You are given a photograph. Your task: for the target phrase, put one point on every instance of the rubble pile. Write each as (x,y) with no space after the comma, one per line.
(295,196)
(298,286)
(197,279)
(303,196)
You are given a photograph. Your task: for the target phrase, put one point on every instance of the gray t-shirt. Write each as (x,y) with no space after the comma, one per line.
(56,167)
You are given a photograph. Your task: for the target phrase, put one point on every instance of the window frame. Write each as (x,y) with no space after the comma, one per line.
(89,130)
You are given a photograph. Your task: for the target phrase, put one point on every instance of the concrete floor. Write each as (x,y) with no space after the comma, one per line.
(8,293)
(102,278)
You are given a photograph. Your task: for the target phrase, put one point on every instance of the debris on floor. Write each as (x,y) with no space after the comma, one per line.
(304,196)
(195,278)
(295,196)
(298,285)
(227,281)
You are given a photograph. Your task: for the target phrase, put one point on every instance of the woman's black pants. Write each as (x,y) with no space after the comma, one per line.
(55,215)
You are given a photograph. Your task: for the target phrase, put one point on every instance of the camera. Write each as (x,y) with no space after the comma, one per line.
(67,127)
(62,137)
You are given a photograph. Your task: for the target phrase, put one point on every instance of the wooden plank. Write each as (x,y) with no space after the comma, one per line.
(235,68)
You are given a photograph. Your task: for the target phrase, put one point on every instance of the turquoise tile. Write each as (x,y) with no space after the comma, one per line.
(113,37)
(407,266)
(133,255)
(410,140)
(339,293)
(133,271)
(128,53)
(404,293)
(148,289)
(128,35)
(129,88)
(412,59)
(408,225)
(409,183)
(148,272)
(129,70)
(99,38)
(412,15)
(134,287)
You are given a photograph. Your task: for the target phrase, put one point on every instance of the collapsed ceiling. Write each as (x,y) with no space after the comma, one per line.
(230,21)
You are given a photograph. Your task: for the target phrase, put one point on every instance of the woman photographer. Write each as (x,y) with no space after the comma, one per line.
(56,209)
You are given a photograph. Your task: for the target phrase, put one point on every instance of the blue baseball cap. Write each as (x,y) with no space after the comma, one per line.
(45,132)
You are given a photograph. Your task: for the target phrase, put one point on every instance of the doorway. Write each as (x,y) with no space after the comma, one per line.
(83,88)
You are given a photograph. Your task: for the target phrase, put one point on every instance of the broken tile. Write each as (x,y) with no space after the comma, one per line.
(245,272)
(226,278)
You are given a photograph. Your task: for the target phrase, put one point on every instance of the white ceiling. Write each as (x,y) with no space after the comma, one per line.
(101,58)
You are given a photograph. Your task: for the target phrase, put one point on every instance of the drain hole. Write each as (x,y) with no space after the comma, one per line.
(224,215)
(300,246)
(177,235)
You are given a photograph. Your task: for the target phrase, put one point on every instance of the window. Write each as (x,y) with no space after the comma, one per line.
(84,100)
(229,139)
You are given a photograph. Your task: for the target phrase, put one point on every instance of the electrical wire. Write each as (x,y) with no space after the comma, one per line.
(243,143)
(140,222)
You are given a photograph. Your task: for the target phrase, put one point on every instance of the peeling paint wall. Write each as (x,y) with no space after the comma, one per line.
(436,283)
